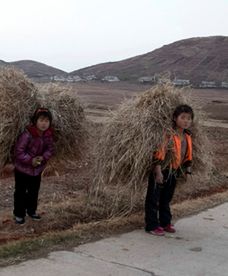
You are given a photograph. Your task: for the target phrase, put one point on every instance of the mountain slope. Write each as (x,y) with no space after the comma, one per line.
(34,69)
(37,69)
(204,58)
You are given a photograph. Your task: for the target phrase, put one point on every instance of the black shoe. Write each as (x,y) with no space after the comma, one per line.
(35,217)
(19,220)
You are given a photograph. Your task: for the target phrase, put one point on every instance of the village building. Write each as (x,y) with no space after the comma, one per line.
(224,84)
(208,84)
(181,82)
(110,79)
(147,79)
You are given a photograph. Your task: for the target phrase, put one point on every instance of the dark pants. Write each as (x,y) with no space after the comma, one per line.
(26,193)
(158,198)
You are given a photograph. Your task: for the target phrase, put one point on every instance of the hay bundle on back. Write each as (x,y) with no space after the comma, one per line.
(18,100)
(125,150)
(68,118)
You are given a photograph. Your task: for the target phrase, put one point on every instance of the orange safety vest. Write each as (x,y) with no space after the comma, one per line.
(176,160)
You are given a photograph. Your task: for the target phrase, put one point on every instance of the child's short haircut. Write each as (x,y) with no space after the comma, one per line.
(183,108)
(41,112)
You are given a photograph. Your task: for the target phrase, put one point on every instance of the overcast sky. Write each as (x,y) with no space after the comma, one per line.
(72,34)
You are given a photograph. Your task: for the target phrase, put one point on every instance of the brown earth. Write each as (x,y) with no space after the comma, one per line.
(63,195)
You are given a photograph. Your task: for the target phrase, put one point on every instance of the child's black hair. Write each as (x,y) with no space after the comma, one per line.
(183,108)
(41,112)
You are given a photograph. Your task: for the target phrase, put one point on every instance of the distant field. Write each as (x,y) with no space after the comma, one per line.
(99,97)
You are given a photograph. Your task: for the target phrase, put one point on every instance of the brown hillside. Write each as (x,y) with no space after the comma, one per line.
(37,69)
(197,59)
(34,69)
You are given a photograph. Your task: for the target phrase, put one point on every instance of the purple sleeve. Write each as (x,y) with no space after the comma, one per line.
(20,149)
(49,148)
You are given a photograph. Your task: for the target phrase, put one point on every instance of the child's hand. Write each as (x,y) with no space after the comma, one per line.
(159,177)
(40,158)
(36,161)
(158,174)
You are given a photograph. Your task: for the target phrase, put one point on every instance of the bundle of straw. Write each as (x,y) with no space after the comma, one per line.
(18,100)
(124,152)
(68,120)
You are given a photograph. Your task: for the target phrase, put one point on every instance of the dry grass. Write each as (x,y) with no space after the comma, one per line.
(18,100)
(69,120)
(124,152)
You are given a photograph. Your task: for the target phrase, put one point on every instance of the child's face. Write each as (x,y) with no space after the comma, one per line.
(184,120)
(43,123)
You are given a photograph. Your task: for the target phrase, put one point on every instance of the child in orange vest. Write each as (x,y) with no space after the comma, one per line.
(162,179)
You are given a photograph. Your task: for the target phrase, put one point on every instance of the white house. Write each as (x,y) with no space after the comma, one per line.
(75,78)
(208,84)
(147,79)
(58,78)
(110,79)
(181,82)
(89,77)
(224,84)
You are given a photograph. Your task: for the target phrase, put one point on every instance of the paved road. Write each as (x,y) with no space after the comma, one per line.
(199,248)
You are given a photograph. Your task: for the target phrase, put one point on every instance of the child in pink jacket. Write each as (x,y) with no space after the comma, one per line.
(33,149)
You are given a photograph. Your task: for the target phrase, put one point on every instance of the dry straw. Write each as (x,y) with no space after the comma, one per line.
(18,99)
(69,120)
(124,152)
